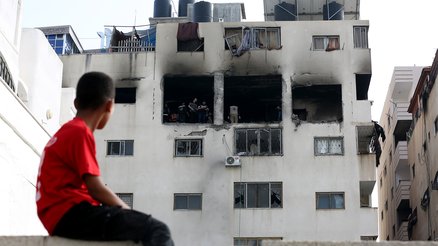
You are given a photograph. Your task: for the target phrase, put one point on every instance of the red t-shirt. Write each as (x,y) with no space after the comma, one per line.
(69,155)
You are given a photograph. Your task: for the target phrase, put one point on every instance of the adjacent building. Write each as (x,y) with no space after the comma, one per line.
(393,171)
(283,151)
(62,39)
(423,157)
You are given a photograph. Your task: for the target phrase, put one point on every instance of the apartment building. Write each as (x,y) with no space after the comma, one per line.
(283,151)
(423,157)
(393,171)
(30,96)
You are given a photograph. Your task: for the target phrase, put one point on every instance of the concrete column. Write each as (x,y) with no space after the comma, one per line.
(218,98)
(287,98)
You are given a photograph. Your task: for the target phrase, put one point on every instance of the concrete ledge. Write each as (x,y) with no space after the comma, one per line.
(55,241)
(362,243)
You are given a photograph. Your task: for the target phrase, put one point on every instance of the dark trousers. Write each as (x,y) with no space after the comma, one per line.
(107,223)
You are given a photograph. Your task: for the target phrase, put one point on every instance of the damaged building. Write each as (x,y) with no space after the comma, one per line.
(235,132)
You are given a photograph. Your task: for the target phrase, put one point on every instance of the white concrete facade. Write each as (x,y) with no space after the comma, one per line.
(393,172)
(23,135)
(154,174)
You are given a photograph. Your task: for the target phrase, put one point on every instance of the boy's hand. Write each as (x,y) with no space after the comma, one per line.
(101,193)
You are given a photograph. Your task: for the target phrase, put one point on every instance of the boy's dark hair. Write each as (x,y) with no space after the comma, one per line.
(93,90)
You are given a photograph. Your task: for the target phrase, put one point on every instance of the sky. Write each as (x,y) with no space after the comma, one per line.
(401,32)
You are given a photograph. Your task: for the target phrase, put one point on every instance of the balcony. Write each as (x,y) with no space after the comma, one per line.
(402,193)
(364,133)
(402,232)
(402,120)
(401,155)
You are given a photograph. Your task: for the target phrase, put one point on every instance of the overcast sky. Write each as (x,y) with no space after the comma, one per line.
(401,31)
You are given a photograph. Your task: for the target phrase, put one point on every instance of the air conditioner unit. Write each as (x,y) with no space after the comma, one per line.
(232,161)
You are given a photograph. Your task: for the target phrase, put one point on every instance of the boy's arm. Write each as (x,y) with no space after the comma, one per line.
(102,193)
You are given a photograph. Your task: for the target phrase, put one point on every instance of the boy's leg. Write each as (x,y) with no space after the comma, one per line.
(104,223)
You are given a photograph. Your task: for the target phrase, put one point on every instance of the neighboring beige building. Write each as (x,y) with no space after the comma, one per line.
(30,98)
(393,171)
(302,137)
(423,157)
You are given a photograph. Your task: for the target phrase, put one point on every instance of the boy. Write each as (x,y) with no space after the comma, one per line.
(72,200)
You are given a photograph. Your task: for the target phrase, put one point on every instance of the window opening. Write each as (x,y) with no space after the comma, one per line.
(330,200)
(327,43)
(126,95)
(362,86)
(258,141)
(188,147)
(252,99)
(120,147)
(258,195)
(194,91)
(188,38)
(360,36)
(329,146)
(252,241)
(189,201)
(317,103)
(240,40)
(127,198)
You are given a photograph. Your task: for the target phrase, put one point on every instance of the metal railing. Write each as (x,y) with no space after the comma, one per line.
(132,45)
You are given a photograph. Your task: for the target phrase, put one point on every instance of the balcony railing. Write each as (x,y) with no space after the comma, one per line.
(132,45)
(401,153)
(402,191)
(402,232)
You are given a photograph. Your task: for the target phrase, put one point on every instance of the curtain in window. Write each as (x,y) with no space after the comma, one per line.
(273,38)
(322,146)
(318,43)
(335,146)
(333,44)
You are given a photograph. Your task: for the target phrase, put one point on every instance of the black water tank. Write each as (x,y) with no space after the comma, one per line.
(182,7)
(162,8)
(202,12)
(285,12)
(334,11)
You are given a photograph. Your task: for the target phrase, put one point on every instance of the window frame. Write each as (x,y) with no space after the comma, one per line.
(122,147)
(252,241)
(326,39)
(330,140)
(236,35)
(187,195)
(239,185)
(331,195)
(189,147)
(258,152)
(360,37)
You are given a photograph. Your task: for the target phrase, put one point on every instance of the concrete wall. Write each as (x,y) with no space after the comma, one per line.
(153,174)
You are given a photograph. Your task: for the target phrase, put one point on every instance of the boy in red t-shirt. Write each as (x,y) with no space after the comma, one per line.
(72,200)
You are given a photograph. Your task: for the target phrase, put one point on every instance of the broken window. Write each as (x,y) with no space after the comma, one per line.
(120,147)
(360,35)
(251,99)
(318,103)
(327,43)
(190,201)
(330,200)
(258,141)
(127,198)
(258,195)
(362,85)
(126,95)
(180,105)
(329,146)
(188,147)
(239,40)
(188,38)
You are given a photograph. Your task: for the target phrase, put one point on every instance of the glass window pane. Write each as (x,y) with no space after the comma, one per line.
(264,141)
(180,202)
(59,43)
(113,148)
(273,37)
(252,142)
(240,141)
(337,201)
(323,201)
(276,195)
(275,141)
(195,201)
(252,196)
(322,146)
(58,51)
(260,38)
(318,43)
(263,195)
(195,147)
(129,147)
(239,195)
(336,146)
(181,148)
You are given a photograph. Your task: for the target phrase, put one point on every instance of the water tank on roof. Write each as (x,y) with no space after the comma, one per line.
(162,8)
(182,7)
(285,12)
(202,12)
(333,11)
